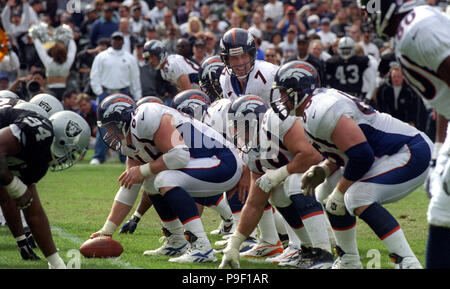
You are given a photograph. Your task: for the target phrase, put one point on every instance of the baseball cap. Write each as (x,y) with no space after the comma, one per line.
(291,9)
(199,42)
(325,20)
(117,34)
(255,32)
(302,38)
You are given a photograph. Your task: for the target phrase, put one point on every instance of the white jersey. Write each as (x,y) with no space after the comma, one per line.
(177,65)
(385,134)
(272,153)
(216,115)
(259,82)
(422,43)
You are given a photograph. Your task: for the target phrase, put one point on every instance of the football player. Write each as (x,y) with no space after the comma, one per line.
(29,145)
(274,149)
(243,74)
(209,74)
(382,158)
(349,72)
(422,47)
(176,69)
(176,158)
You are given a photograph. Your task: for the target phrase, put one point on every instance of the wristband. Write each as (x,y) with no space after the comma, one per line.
(145,170)
(16,188)
(108,228)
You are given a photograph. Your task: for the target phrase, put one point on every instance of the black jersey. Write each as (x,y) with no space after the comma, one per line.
(346,75)
(35,136)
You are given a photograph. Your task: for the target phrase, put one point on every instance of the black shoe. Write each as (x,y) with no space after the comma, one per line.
(315,258)
(26,251)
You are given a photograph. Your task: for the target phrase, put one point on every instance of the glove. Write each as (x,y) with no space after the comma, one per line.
(26,251)
(231,252)
(30,240)
(130,226)
(272,178)
(313,177)
(335,203)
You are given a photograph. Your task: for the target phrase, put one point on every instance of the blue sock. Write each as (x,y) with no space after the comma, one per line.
(306,206)
(438,248)
(291,216)
(208,201)
(162,208)
(341,223)
(380,220)
(182,204)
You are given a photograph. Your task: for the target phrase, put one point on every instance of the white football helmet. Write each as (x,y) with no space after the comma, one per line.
(48,102)
(8,94)
(33,107)
(346,47)
(71,138)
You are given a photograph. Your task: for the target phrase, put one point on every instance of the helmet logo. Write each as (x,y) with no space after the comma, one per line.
(45,106)
(114,108)
(72,129)
(295,73)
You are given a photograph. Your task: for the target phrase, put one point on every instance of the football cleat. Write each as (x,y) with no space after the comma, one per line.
(200,251)
(346,261)
(314,258)
(405,262)
(289,253)
(226,227)
(248,244)
(263,249)
(174,245)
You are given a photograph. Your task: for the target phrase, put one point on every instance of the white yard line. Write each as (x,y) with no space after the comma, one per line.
(77,241)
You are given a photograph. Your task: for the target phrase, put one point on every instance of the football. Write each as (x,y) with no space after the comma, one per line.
(101,247)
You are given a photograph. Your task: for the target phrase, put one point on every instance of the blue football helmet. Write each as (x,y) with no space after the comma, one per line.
(193,102)
(149,99)
(210,70)
(157,48)
(237,41)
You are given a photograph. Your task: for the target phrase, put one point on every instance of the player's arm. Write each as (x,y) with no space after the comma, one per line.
(183,82)
(349,138)
(243,186)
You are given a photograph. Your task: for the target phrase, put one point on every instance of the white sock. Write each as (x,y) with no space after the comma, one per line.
(293,238)
(397,243)
(280,223)
(316,227)
(195,226)
(302,236)
(346,239)
(20,238)
(174,227)
(55,261)
(223,209)
(267,227)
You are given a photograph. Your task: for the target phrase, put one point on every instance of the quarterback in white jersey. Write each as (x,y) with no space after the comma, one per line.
(422,39)
(271,147)
(243,74)
(382,158)
(176,69)
(176,158)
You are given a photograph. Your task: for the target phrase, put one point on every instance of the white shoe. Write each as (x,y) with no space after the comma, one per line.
(226,227)
(346,261)
(248,244)
(263,249)
(174,245)
(288,252)
(95,162)
(405,262)
(200,251)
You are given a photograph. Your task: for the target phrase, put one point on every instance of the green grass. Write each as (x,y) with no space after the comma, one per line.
(77,202)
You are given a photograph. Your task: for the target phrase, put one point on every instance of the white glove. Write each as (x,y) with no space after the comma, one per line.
(272,178)
(313,177)
(335,203)
(231,252)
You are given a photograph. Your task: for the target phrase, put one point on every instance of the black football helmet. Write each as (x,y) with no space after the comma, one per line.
(193,102)
(244,117)
(382,12)
(150,99)
(210,70)
(114,116)
(157,48)
(234,42)
(293,83)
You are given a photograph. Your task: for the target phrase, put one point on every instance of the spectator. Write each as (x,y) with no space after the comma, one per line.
(164,25)
(105,26)
(289,45)
(257,21)
(128,39)
(316,49)
(211,43)
(367,45)
(272,56)
(288,20)
(205,13)
(199,51)
(184,48)
(28,86)
(326,36)
(212,24)
(14,21)
(114,70)
(235,21)
(274,10)
(36,8)
(242,8)
(397,98)
(157,12)
(86,25)
(355,33)
(88,110)
(313,24)
(57,65)
(339,24)
(70,100)
(171,39)
(137,24)
(193,27)
(184,11)
(147,74)
(4,82)
(9,65)
(124,11)
(150,34)
(257,35)
(139,3)
(268,30)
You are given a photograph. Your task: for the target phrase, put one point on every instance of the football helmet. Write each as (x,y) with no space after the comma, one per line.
(382,12)
(193,102)
(8,94)
(244,117)
(210,70)
(294,82)
(48,102)
(114,116)
(237,41)
(157,48)
(33,107)
(346,48)
(71,138)
(150,99)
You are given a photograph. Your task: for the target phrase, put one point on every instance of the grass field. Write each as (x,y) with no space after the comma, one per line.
(77,202)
